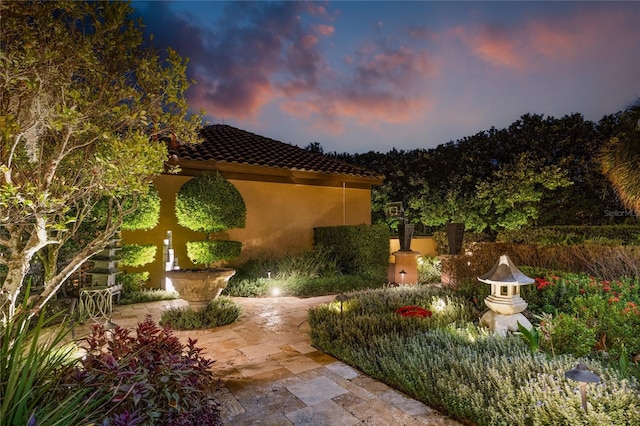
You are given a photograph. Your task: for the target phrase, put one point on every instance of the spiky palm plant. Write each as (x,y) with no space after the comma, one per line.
(620,159)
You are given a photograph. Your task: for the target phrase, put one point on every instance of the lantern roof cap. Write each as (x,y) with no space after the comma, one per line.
(505,272)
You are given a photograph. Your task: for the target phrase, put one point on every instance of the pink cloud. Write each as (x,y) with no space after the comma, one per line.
(540,42)
(325,30)
(308,41)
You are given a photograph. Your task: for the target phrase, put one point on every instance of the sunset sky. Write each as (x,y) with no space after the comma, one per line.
(357,76)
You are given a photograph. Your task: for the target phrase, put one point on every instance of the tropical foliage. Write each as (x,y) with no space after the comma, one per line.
(620,159)
(31,391)
(149,377)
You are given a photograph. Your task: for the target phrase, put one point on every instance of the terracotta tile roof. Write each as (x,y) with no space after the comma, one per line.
(226,144)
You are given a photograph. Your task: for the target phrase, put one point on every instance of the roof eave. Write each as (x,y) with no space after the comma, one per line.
(233,170)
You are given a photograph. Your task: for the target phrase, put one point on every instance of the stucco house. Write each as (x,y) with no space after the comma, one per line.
(287,190)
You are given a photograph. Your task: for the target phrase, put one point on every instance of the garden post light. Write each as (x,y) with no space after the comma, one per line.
(109,326)
(583,376)
(269,275)
(402,274)
(341,298)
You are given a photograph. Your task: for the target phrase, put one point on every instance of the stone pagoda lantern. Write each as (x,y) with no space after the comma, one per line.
(504,302)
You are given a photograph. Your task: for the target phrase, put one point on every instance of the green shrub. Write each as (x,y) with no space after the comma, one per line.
(132,282)
(429,270)
(319,262)
(569,335)
(137,255)
(320,286)
(202,252)
(308,274)
(220,311)
(357,249)
(146,215)
(150,377)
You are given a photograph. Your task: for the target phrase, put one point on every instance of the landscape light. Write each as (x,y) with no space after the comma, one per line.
(583,376)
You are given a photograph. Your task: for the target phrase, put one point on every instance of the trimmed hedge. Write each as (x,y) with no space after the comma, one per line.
(358,249)
(137,255)
(201,252)
(569,235)
(210,203)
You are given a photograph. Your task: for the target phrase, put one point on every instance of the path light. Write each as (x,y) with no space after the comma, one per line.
(269,275)
(402,274)
(583,376)
(109,327)
(341,298)
(275,291)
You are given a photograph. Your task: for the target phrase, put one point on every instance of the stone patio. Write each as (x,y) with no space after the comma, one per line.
(271,375)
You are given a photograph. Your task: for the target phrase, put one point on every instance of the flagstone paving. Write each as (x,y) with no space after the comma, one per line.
(271,375)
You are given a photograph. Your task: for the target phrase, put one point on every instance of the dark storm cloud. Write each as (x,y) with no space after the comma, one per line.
(236,59)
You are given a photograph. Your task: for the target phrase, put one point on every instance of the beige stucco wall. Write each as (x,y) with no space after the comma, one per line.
(426,246)
(280,219)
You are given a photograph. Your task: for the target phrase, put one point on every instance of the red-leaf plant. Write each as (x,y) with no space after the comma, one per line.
(152,378)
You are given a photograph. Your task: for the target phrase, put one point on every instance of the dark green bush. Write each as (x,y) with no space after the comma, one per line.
(358,249)
(568,335)
(220,311)
(145,217)
(145,296)
(203,252)
(137,255)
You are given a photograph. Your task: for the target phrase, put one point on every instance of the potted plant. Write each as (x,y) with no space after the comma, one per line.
(209,204)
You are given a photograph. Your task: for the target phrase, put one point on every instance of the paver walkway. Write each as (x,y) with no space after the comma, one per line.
(273,376)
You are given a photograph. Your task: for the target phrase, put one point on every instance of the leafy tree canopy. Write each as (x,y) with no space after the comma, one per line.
(441,184)
(83,109)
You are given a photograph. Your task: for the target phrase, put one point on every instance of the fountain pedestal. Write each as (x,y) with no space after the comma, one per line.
(199,286)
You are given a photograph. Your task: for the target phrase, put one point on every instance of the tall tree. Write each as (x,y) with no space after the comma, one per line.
(620,159)
(84,107)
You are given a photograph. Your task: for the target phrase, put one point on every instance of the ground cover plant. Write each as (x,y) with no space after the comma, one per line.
(220,311)
(447,361)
